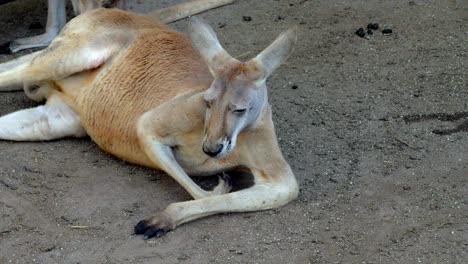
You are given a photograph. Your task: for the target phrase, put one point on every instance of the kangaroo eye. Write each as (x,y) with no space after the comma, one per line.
(240,111)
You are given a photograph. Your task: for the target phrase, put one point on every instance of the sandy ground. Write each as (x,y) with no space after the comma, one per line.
(375,131)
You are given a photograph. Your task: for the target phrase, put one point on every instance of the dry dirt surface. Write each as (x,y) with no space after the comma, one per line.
(374,128)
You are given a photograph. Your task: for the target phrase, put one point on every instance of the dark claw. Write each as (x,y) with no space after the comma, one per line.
(160,233)
(154,232)
(226,178)
(141,227)
(149,231)
(155,226)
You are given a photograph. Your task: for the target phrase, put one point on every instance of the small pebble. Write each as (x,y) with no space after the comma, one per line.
(387,31)
(333,180)
(373,26)
(221,25)
(360,32)
(280,17)
(295,86)
(406,188)
(247,18)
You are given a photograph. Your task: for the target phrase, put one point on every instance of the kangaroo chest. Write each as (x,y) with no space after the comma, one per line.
(190,156)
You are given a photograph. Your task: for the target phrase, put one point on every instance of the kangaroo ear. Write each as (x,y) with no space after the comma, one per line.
(272,57)
(205,41)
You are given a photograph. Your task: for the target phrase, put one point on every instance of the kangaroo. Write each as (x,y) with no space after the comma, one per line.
(155,97)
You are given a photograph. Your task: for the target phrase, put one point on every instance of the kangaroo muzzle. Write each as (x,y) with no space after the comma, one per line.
(216,149)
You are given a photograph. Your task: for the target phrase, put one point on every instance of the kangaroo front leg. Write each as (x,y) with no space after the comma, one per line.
(164,158)
(262,196)
(157,134)
(51,121)
(55,21)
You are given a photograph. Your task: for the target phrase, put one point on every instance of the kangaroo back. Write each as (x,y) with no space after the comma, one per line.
(158,65)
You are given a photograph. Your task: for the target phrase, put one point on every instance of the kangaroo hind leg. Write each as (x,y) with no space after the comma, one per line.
(54,120)
(73,51)
(57,62)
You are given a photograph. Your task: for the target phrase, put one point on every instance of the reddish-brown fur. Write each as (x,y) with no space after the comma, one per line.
(155,47)
(138,89)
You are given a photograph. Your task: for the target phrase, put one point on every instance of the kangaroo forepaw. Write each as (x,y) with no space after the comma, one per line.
(154,226)
(224,185)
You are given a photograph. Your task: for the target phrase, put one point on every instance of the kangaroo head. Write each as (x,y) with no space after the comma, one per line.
(238,93)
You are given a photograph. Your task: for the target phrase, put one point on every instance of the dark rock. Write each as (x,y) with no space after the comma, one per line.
(406,188)
(247,18)
(333,180)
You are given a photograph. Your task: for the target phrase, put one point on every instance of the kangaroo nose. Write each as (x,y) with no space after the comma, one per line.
(213,153)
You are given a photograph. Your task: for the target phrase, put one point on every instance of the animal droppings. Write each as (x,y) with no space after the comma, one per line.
(387,31)
(360,32)
(373,26)
(370,32)
(294,87)
(247,18)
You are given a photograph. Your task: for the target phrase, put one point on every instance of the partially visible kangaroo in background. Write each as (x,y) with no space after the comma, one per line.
(56,17)
(146,94)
